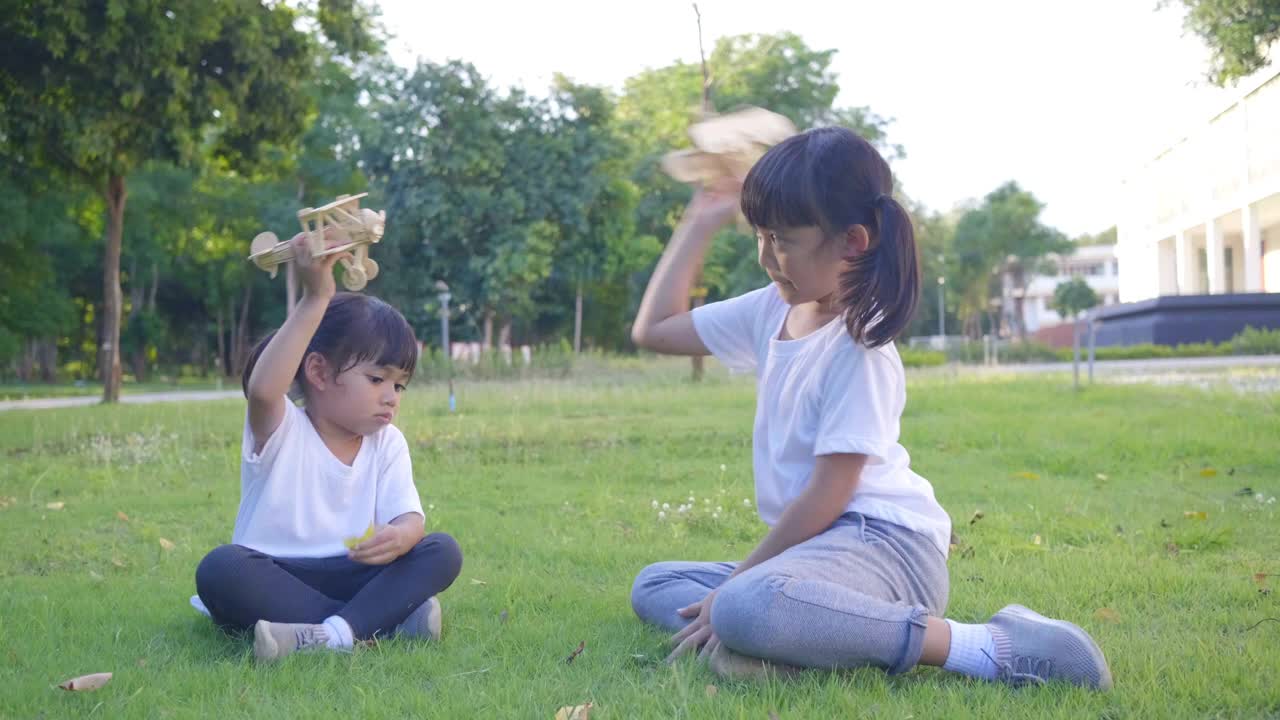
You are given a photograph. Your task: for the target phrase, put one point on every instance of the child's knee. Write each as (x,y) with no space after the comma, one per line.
(445,553)
(642,589)
(218,568)
(741,615)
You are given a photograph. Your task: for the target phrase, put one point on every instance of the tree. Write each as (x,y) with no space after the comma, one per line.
(1073,297)
(97,90)
(1238,33)
(1002,242)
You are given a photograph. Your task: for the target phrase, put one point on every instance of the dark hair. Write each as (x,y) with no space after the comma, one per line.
(355,328)
(833,179)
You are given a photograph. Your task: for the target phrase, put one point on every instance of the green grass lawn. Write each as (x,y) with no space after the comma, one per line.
(31,391)
(548,485)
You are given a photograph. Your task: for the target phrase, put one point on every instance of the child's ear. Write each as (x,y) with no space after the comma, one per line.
(856,241)
(315,369)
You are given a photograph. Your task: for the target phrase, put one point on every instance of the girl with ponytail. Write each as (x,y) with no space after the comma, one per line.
(853,569)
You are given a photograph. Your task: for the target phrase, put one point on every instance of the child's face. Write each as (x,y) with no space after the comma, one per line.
(801,261)
(363,399)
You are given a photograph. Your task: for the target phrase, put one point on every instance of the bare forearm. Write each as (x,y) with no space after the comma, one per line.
(275,369)
(668,292)
(834,481)
(412,526)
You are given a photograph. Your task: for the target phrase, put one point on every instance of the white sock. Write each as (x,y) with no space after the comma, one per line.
(340,637)
(973,651)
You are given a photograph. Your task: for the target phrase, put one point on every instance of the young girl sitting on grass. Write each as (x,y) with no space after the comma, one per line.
(853,569)
(317,478)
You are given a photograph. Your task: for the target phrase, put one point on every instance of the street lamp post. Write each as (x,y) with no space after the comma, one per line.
(443,295)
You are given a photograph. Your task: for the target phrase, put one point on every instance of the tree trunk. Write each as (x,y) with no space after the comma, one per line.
(577,321)
(47,357)
(155,284)
(242,329)
(232,350)
(26,361)
(109,348)
(222,349)
(487,343)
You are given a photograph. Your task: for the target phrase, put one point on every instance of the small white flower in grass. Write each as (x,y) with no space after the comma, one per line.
(706,501)
(1260,497)
(431,507)
(691,499)
(666,506)
(654,504)
(722,467)
(746,502)
(715,516)
(719,509)
(1271,500)
(662,515)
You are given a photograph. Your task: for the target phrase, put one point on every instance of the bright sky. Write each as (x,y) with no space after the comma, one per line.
(1064,97)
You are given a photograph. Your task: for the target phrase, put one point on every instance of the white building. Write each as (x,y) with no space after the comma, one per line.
(1095,263)
(1203,216)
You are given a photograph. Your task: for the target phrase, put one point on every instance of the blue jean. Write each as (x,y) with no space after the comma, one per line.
(241,586)
(857,594)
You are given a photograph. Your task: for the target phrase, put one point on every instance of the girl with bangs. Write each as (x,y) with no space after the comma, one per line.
(853,569)
(329,545)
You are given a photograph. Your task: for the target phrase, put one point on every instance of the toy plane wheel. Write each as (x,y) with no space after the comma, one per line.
(370,268)
(354,278)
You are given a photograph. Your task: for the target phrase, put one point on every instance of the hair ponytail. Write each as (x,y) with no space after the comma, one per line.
(881,288)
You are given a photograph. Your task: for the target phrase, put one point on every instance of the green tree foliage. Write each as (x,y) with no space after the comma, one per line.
(1073,297)
(1238,33)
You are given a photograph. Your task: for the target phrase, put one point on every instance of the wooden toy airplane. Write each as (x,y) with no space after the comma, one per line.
(727,145)
(345,222)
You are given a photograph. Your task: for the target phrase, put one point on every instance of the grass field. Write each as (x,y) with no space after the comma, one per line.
(1142,513)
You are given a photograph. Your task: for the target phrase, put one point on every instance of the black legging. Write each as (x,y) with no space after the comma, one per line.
(241,586)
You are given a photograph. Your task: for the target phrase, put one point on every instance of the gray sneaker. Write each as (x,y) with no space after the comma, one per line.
(424,622)
(1034,649)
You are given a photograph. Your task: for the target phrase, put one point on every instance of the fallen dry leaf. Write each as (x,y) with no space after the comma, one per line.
(7,501)
(712,690)
(977,515)
(86,682)
(478,581)
(576,652)
(1171,548)
(166,544)
(1106,615)
(1260,578)
(1035,539)
(122,517)
(1027,475)
(575,712)
(1208,472)
(93,574)
(117,562)
(1102,476)
(56,505)
(1196,515)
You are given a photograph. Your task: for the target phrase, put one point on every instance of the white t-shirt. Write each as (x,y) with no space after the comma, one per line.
(822,394)
(298,500)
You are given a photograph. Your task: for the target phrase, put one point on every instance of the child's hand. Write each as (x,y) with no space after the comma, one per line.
(387,544)
(715,205)
(697,635)
(315,274)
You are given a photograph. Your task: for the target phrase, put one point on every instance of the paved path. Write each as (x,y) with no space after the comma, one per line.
(139,399)
(1154,365)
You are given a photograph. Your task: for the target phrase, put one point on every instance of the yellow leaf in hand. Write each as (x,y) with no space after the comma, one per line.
(353,542)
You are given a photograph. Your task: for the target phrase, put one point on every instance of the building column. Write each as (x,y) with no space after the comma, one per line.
(1213,253)
(1252,247)
(1185,266)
